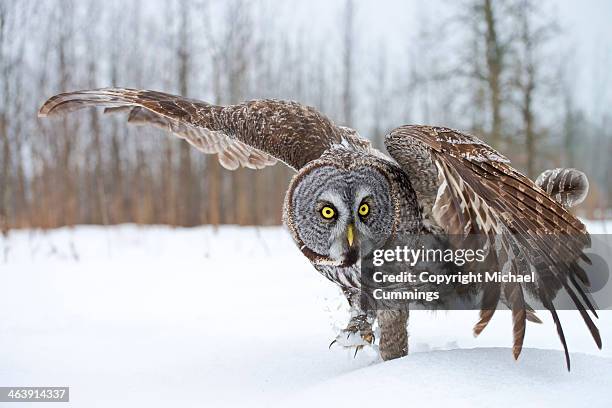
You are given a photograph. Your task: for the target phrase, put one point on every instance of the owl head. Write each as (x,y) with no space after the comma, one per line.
(337,211)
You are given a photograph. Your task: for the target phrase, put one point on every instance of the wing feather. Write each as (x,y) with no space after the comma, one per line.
(480,193)
(252,134)
(514,295)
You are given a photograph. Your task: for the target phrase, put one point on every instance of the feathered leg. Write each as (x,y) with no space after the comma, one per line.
(393,333)
(358,332)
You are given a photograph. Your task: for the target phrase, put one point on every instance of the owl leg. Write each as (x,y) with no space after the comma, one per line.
(358,332)
(393,334)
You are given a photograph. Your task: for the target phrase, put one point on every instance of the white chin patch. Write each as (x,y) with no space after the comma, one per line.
(336,251)
(329,262)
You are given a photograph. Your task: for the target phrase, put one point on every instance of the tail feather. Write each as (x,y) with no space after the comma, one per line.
(569,187)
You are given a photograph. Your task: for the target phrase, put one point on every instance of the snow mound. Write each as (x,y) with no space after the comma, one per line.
(471,377)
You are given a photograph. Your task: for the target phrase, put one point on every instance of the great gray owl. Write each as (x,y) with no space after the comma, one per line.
(348,198)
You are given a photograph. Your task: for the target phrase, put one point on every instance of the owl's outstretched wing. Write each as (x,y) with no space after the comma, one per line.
(251,134)
(472,189)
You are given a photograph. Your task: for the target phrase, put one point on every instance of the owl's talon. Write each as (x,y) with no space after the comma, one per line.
(353,337)
(369,337)
(357,334)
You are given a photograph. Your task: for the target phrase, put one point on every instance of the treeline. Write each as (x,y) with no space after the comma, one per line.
(495,68)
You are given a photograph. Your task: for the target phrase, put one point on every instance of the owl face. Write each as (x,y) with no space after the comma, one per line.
(339,215)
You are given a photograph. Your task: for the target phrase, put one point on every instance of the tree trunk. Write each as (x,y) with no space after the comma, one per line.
(494,58)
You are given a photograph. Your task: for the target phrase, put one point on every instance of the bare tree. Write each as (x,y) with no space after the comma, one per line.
(571,123)
(531,79)
(380,98)
(348,63)
(6,146)
(483,63)
(495,58)
(187,184)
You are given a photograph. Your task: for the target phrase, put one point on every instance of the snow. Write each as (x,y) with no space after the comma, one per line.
(133,316)
(468,378)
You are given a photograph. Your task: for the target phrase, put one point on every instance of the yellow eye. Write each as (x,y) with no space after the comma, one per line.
(328,212)
(364,209)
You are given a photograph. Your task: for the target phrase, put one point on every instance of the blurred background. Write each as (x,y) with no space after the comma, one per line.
(532,78)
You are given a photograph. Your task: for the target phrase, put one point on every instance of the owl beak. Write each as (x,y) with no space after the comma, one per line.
(350,234)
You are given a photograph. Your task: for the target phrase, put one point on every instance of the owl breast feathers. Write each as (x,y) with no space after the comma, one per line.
(348,198)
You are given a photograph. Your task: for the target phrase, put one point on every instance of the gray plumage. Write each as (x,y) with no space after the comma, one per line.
(348,198)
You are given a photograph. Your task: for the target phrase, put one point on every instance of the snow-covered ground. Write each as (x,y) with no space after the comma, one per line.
(133,316)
